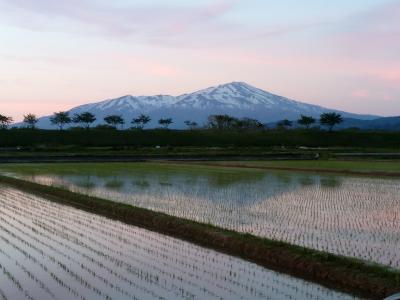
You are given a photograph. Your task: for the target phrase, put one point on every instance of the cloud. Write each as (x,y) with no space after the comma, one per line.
(361,93)
(374,33)
(115,20)
(170,25)
(151,67)
(37,59)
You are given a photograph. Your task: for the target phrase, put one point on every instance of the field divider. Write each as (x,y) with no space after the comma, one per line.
(341,273)
(232,164)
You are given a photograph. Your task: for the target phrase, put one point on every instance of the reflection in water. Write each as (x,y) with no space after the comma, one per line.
(50,251)
(330,182)
(141,183)
(352,216)
(86,182)
(114,184)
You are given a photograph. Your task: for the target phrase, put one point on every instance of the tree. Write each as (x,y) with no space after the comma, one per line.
(5,121)
(221,122)
(191,124)
(141,121)
(115,120)
(330,120)
(60,119)
(30,120)
(85,118)
(284,124)
(165,122)
(247,124)
(306,121)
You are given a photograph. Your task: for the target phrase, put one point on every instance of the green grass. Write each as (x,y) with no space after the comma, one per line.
(111,167)
(336,165)
(220,176)
(235,169)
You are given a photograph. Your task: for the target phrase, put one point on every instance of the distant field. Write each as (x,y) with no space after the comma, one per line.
(337,165)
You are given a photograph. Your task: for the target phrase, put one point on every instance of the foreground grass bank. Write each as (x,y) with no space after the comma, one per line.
(337,272)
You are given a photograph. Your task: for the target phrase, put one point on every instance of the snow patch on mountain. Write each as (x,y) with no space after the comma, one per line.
(238,99)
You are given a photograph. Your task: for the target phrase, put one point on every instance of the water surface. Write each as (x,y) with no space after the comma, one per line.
(51,251)
(346,215)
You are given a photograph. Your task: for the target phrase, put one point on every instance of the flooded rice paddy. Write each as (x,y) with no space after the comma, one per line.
(346,215)
(51,251)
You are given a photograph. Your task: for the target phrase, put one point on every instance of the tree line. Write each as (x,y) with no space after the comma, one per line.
(86,119)
(218,122)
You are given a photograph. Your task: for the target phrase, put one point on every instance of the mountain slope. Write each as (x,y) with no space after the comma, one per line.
(382,124)
(237,99)
(388,123)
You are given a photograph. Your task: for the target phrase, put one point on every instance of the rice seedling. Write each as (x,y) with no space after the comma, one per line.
(51,251)
(346,215)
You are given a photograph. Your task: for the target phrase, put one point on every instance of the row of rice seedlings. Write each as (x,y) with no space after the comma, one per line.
(79,263)
(10,282)
(3,295)
(66,256)
(39,217)
(23,244)
(100,262)
(64,218)
(43,287)
(360,218)
(88,232)
(310,241)
(29,259)
(39,282)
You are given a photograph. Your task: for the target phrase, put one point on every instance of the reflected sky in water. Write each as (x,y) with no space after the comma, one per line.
(51,251)
(346,215)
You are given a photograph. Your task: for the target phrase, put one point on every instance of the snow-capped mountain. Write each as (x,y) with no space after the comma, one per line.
(238,99)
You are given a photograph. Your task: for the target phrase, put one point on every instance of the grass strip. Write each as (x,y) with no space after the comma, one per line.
(333,271)
(245,165)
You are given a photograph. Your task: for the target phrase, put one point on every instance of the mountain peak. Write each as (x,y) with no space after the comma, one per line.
(236,98)
(238,95)
(233,86)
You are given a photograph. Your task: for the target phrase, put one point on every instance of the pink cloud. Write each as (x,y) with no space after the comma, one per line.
(373,34)
(361,94)
(116,20)
(149,66)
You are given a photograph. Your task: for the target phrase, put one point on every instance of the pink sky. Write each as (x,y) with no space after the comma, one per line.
(60,54)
